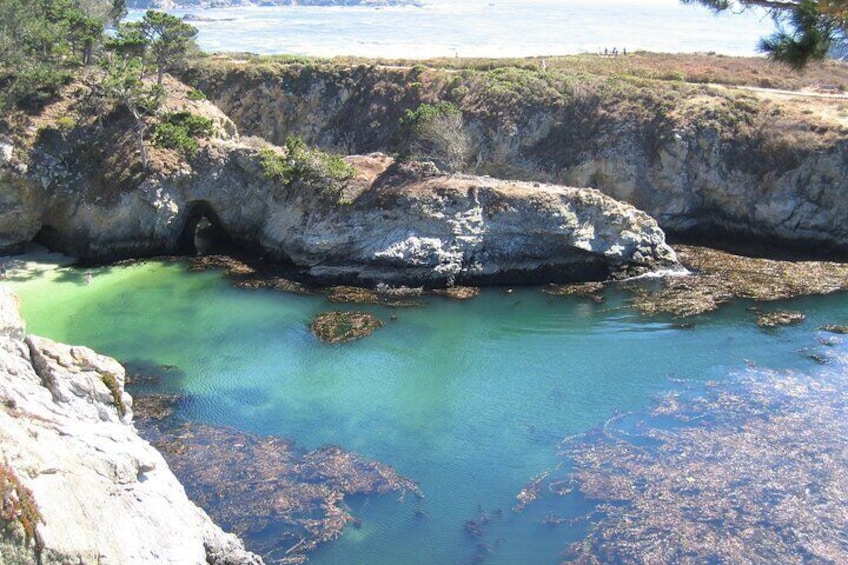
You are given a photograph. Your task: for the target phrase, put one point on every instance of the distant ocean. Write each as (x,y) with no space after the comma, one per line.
(480,28)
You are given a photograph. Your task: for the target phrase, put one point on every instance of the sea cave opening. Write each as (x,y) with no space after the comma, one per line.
(203,233)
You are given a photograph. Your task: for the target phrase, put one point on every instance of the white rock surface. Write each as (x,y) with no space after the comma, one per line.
(106,496)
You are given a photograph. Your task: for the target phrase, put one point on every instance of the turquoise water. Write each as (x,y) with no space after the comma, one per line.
(468,398)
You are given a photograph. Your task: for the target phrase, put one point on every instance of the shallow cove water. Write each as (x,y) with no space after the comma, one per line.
(468,398)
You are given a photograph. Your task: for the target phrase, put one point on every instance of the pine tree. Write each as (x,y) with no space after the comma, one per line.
(807,29)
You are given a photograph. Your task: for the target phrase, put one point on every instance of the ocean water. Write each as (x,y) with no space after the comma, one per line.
(471,399)
(480,28)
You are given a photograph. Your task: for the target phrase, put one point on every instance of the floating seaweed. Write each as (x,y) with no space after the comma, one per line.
(458,292)
(749,471)
(590,290)
(779,318)
(249,273)
(343,327)
(282,500)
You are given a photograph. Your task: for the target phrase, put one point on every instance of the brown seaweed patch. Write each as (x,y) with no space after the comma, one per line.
(343,327)
(682,296)
(247,275)
(282,500)
(400,297)
(720,276)
(590,290)
(750,471)
(779,318)
(458,292)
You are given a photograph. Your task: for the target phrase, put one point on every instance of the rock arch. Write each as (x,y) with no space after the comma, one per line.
(203,232)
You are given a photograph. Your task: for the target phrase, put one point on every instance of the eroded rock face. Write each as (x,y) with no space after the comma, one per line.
(408,225)
(440,230)
(700,160)
(104,495)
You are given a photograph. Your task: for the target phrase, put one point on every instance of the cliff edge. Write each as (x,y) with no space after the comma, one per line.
(77,484)
(74,183)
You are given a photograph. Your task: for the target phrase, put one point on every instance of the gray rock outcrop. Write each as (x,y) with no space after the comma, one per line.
(412,228)
(440,230)
(103,494)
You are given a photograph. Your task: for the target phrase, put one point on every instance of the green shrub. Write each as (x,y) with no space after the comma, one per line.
(436,132)
(195,94)
(111,383)
(301,162)
(32,87)
(181,130)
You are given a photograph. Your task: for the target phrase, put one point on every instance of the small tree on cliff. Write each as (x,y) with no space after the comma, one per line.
(168,40)
(807,29)
(436,132)
(125,83)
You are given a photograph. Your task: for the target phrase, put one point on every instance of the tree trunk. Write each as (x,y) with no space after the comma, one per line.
(139,130)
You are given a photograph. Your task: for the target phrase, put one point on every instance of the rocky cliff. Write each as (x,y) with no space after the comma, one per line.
(702,159)
(78,484)
(79,189)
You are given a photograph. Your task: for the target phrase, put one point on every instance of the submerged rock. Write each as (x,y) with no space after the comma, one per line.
(343,327)
(458,292)
(101,493)
(592,290)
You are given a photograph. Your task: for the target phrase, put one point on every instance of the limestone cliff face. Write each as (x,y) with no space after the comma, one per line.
(406,224)
(700,159)
(103,494)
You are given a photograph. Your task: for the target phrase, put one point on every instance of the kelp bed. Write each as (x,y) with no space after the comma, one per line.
(718,277)
(752,470)
(281,499)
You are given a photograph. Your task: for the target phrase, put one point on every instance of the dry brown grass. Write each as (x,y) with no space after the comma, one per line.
(679,67)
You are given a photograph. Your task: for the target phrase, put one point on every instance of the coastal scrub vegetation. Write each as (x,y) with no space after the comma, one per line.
(435,132)
(180,131)
(18,508)
(298,161)
(111,383)
(46,44)
(42,42)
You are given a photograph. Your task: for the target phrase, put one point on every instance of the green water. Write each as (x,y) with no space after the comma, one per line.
(468,398)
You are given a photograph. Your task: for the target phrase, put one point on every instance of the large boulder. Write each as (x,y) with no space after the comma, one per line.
(414,228)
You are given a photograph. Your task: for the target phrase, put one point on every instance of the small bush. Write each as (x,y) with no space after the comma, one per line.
(436,132)
(17,506)
(301,162)
(111,383)
(180,131)
(195,94)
